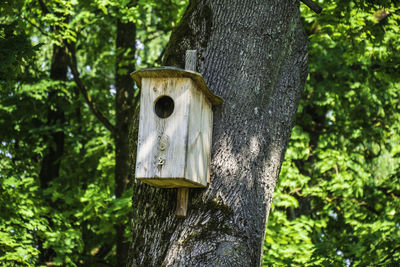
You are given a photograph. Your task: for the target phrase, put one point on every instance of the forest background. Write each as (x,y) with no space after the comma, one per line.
(337,200)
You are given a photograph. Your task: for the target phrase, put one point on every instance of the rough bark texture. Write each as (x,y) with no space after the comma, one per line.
(125,47)
(253,54)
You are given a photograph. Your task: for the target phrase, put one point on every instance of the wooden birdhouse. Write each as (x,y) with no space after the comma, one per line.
(175,128)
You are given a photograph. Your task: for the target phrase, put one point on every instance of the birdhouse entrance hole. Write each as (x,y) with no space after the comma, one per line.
(164,106)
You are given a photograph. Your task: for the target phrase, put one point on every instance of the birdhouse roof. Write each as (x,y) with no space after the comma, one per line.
(172,72)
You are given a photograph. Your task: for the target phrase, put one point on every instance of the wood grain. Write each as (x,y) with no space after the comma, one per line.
(162,141)
(199,138)
(182,202)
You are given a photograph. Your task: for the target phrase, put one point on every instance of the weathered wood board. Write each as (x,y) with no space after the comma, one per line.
(199,138)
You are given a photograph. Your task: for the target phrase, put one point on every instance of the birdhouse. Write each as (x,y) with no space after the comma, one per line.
(175,128)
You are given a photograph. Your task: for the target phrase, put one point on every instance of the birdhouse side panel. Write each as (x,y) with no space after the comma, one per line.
(208,124)
(199,138)
(163,140)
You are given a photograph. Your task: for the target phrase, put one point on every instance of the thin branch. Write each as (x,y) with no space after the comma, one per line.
(35,26)
(72,63)
(312,5)
(153,35)
(160,57)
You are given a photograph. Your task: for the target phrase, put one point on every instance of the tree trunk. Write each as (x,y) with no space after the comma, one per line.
(55,116)
(125,47)
(253,54)
(50,166)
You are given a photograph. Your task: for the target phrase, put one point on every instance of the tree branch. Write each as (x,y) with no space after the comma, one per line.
(72,63)
(160,57)
(312,5)
(35,26)
(155,34)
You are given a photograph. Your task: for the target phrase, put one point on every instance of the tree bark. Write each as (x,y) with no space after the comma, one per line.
(253,54)
(125,47)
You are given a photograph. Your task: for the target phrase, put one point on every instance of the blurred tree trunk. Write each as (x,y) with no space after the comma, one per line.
(253,54)
(125,47)
(55,118)
(50,166)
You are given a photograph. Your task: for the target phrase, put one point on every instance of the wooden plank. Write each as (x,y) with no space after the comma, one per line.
(182,202)
(198,141)
(162,141)
(172,72)
(207,125)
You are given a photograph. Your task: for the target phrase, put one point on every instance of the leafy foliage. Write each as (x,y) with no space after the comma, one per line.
(337,200)
(71,221)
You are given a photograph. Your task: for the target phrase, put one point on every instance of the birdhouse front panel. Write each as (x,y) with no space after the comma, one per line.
(163,132)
